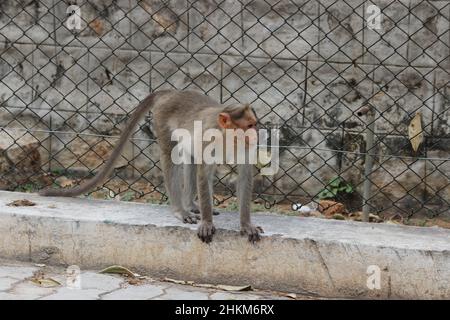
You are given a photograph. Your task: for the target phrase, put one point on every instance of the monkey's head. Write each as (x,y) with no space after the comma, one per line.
(239,116)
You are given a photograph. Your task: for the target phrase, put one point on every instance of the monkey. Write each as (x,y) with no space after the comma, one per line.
(173,109)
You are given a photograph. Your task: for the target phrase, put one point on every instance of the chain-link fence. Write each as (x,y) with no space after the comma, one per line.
(362,100)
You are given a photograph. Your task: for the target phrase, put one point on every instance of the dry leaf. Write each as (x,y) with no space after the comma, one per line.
(21,203)
(211,286)
(119,270)
(234,288)
(175,281)
(329,207)
(415,131)
(46,282)
(179,281)
(205,285)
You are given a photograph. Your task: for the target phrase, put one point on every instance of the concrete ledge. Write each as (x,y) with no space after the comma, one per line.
(307,255)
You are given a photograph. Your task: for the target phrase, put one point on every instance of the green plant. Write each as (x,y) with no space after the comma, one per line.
(28,187)
(336,186)
(57,171)
(258,207)
(128,196)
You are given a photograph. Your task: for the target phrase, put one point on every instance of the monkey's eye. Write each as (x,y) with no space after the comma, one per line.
(251,125)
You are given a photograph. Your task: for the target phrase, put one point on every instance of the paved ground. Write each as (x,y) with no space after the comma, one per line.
(28,281)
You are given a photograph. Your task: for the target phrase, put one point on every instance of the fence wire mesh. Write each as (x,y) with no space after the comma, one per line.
(343,91)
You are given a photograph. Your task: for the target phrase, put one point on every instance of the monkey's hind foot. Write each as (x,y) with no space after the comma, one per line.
(205,231)
(252,231)
(187,217)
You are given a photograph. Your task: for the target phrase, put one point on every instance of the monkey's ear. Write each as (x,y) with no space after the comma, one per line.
(224,120)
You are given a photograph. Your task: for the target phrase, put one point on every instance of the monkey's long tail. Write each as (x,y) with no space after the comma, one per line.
(142,109)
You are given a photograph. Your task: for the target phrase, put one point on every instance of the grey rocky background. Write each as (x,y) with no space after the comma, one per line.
(305,65)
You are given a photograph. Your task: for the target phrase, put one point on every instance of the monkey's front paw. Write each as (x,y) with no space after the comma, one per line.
(205,231)
(252,231)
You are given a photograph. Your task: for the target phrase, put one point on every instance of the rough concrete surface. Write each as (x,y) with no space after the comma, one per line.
(305,255)
(18,282)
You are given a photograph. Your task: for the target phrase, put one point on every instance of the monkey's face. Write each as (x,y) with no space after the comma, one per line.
(242,120)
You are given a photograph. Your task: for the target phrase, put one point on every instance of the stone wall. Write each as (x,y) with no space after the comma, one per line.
(305,65)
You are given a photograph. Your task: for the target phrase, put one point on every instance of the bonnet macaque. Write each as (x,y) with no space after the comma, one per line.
(175,111)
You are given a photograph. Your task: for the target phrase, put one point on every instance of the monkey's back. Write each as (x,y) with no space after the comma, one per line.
(173,101)
(175,109)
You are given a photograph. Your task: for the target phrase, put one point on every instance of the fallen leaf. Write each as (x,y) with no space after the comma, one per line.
(46,282)
(289,295)
(234,288)
(119,270)
(415,131)
(21,203)
(329,207)
(210,286)
(178,281)
(205,285)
